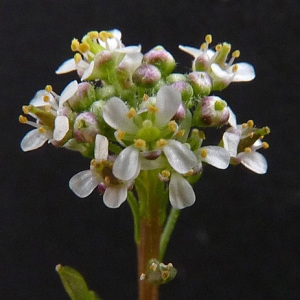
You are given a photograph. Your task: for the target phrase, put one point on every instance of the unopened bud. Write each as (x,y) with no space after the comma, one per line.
(185,89)
(83,98)
(160,58)
(146,76)
(86,127)
(201,83)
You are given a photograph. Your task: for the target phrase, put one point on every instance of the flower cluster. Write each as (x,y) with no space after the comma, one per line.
(130,112)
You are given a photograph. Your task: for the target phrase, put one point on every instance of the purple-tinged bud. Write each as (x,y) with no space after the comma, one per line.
(86,127)
(180,113)
(146,76)
(160,58)
(185,89)
(211,111)
(201,83)
(83,98)
(201,62)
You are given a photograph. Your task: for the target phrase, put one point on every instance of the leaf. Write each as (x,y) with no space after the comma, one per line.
(75,284)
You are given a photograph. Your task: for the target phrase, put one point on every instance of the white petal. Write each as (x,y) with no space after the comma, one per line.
(181,192)
(179,156)
(254,161)
(223,74)
(116,33)
(61,127)
(38,99)
(33,140)
(245,72)
(131,61)
(114,114)
(129,49)
(88,71)
(127,164)
(68,92)
(114,196)
(101,147)
(232,118)
(217,157)
(191,50)
(231,142)
(168,100)
(153,164)
(83,183)
(67,66)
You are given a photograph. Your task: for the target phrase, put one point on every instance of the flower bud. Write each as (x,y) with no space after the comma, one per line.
(86,127)
(175,77)
(201,62)
(83,98)
(211,111)
(180,113)
(160,58)
(185,89)
(200,82)
(146,76)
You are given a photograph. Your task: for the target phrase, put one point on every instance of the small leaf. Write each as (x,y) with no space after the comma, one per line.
(75,284)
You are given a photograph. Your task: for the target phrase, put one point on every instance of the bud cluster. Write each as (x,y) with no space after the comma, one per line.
(131,112)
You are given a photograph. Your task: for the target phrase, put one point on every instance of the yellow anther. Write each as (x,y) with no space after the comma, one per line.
(208,39)
(244,125)
(165,173)
(202,135)
(204,153)
(218,48)
(74,45)
(234,68)
(25,109)
(161,143)
(236,54)
(77,58)
(42,129)
(48,88)
(172,126)
(180,133)
(120,134)
(46,98)
(104,35)
(247,150)
(84,47)
(267,130)
(22,119)
(265,145)
(139,143)
(93,34)
(189,173)
(153,109)
(145,97)
(250,123)
(131,113)
(203,47)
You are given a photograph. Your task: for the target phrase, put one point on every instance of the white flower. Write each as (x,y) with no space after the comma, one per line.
(251,159)
(83,183)
(128,162)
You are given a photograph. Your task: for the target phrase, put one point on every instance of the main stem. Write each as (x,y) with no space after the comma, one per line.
(152,210)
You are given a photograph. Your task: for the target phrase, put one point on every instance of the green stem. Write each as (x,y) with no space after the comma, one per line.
(168,229)
(136,216)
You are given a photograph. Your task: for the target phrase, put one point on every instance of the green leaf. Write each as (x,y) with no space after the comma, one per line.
(75,284)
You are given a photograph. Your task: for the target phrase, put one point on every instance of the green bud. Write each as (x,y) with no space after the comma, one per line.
(186,91)
(146,76)
(201,83)
(175,77)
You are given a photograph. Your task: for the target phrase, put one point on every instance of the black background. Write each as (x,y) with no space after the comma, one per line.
(239,240)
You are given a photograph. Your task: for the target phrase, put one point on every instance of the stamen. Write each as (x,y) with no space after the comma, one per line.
(23,119)
(93,35)
(42,129)
(173,126)
(247,150)
(153,109)
(140,144)
(120,134)
(74,45)
(265,145)
(204,153)
(84,47)
(46,98)
(77,58)
(234,68)
(131,113)
(161,143)
(244,125)
(208,39)
(250,123)
(203,47)
(218,48)
(180,133)
(25,109)
(104,35)
(236,54)
(202,135)
(166,173)
(48,88)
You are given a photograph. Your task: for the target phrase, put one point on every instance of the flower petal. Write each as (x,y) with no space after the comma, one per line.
(179,156)
(67,66)
(191,50)
(38,99)
(33,140)
(101,147)
(181,192)
(230,142)
(114,114)
(254,161)
(127,164)
(245,72)
(68,92)
(217,157)
(61,127)
(226,75)
(115,195)
(83,183)
(167,101)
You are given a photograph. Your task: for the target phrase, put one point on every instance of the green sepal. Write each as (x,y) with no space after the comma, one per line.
(75,284)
